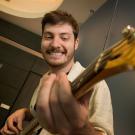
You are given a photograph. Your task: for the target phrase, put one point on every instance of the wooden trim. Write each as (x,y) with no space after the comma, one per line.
(21,47)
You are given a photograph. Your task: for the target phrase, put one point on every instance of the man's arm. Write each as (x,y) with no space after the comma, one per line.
(14,122)
(100,106)
(88,129)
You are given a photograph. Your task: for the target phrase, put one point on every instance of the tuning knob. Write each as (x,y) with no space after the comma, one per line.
(128,32)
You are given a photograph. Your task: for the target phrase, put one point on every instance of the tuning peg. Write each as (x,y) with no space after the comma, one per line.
(128,31)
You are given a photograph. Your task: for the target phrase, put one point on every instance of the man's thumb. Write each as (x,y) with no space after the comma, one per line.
(19,124)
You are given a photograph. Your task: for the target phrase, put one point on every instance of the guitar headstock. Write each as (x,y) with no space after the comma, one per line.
(120,56)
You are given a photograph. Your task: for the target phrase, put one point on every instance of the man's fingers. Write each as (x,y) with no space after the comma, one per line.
(6,131)
(75,112)
(61,124)
(19,124)
(47,82)
(11,125)
(42,105)
(85,99)
(63,81)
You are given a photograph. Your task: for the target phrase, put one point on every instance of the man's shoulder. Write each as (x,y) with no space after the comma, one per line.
(75,71)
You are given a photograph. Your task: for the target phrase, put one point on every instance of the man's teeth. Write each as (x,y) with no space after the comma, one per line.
(56,53)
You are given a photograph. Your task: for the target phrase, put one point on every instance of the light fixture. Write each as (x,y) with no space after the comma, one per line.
(29,8)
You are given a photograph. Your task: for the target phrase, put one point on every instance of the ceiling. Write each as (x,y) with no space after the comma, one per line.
(80,9)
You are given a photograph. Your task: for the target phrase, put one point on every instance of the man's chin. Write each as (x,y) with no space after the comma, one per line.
(54,64)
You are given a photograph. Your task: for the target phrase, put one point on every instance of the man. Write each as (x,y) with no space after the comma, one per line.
(53,103)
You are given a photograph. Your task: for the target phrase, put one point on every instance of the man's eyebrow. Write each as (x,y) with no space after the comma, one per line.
(47,32)
(64,33)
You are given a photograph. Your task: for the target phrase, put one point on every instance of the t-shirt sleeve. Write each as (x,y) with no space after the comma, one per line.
(100,109)
(34,99)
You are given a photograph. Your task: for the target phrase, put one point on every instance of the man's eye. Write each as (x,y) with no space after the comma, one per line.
(65,38)
(48,37)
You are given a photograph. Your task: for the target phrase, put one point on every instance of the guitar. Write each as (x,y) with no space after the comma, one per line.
(117,59)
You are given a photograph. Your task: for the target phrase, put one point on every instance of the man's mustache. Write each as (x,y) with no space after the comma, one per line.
(55,50)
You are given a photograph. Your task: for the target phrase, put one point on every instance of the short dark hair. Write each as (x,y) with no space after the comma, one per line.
(58,16)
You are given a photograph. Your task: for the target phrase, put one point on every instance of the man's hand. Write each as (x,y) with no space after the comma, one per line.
(13,125)
(57,109)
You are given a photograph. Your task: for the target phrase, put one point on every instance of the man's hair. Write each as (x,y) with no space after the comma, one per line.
(60,17)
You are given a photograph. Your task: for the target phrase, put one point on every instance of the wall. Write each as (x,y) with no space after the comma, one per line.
(20,72)
(100,32)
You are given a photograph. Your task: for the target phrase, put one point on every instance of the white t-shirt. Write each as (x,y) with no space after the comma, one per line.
(100,106)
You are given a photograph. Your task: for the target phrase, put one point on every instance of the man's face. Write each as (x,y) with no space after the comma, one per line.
(58,44)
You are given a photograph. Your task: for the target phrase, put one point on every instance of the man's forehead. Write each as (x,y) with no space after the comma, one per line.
(60,28)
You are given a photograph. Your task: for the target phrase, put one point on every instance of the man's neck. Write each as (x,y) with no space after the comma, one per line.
(64,69)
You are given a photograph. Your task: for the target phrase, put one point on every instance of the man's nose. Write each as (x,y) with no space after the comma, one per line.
(55,42)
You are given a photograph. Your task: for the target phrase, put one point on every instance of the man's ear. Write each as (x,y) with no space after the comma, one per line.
(76,43)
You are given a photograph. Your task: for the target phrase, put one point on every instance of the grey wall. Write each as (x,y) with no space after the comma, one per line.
(99,32)
(93,34)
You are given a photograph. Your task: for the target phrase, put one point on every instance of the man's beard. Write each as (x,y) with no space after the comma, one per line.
(50,50)
(61,64)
